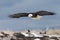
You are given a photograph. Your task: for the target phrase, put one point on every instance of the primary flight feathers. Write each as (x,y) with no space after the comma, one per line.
(35,15)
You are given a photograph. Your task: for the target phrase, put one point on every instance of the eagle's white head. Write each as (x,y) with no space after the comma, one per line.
(30,15)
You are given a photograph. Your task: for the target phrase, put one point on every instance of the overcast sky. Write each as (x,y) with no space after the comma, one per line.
(8,7)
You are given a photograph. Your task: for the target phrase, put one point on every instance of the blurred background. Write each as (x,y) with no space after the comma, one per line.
(8,7)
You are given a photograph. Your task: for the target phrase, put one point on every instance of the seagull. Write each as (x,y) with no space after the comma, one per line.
(34,15)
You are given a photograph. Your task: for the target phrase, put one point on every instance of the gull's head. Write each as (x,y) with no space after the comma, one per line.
(30,15)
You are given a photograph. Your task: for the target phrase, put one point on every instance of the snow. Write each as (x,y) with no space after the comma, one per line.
(37,39)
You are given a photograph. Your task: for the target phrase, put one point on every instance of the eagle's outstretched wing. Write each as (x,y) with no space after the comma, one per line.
(43,13)
(32,15)
(18,15)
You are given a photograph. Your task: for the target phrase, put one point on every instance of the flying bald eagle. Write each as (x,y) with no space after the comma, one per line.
(35,15)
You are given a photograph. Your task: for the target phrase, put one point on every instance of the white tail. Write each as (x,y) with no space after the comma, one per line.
(38,17)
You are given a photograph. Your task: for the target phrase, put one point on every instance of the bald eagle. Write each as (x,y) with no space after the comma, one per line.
(34,15)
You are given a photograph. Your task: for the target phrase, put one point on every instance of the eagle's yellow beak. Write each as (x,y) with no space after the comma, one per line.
(38,17)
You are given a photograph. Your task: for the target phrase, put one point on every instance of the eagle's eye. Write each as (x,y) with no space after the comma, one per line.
(30,15)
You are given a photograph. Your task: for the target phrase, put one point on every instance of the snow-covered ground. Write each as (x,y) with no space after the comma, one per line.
(15,35)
